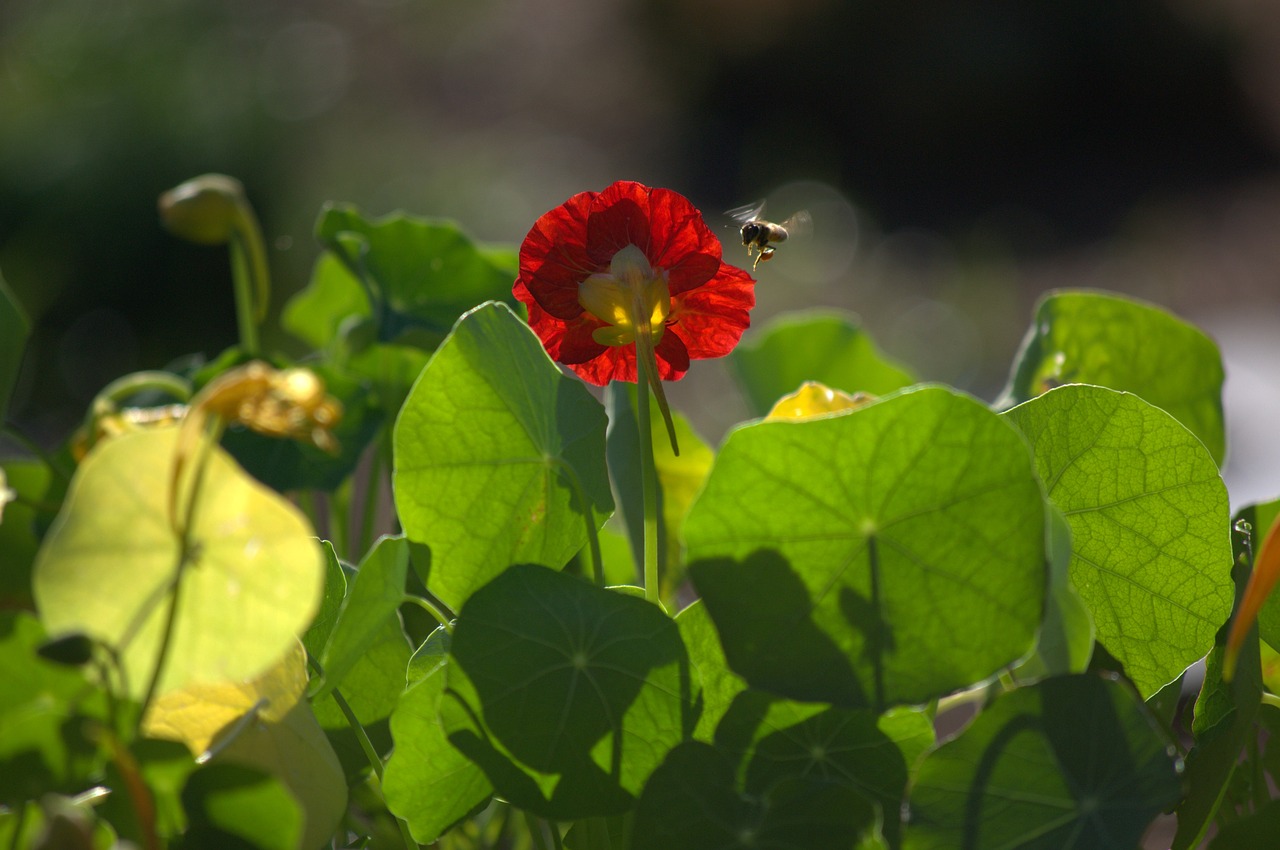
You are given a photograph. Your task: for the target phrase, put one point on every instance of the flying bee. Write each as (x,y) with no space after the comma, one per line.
(757,234)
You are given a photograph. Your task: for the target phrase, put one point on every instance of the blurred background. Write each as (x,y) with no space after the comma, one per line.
(958,158)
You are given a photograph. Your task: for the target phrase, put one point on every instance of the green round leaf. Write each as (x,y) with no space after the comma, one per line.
(775,739)
(691,803)
(334,294)
(567,695)
(109,562)
(420,274)
(826,346)
(428,781)
(888,555)
(482,449)
(1124,344)
(1151,546)
(1070,763)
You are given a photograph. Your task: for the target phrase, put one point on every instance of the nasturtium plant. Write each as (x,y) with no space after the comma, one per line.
(865,569)
(1070,762)
(693,802)
(499,457)
(429,782)
(567,695)
(1150,529)
(253,582)
(1082,337)
(418,275)
(825,346)
(839,557)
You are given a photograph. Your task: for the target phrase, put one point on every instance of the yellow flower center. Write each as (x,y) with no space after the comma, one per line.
(632,298)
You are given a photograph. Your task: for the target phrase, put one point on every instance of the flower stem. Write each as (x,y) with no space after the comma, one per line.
(648,484)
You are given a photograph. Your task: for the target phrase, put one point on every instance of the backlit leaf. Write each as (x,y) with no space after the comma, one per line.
(428,781)
(1151,548)
(108,565)
(374,597)
(419,274)
(567,695)
(841,558)
(262,723)
(1070,763)
(1081,337)
(482,449)
(826,346)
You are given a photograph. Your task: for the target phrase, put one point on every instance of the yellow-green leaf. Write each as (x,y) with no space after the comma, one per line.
(108,565)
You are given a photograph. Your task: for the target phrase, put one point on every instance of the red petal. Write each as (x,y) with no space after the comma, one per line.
(554,259)
(711,319)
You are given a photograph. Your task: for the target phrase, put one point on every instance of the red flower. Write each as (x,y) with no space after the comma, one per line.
(630,265)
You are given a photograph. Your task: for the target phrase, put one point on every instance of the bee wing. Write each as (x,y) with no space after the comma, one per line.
(799,225)
(747,212)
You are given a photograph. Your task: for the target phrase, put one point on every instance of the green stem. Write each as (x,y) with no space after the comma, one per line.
(1270,699)
(441,617)
(242,278)
(648,484)
(370,753)
(593,536)
(187,552)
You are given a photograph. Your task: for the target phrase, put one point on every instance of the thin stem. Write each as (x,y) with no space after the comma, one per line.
(535,831)
(593,536)
(425,605)
(242,278)
(370,753)
(21,822)
(648,484)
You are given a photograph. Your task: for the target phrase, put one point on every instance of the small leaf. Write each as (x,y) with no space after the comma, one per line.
(335,591)
(567,695)
(375,596)
(254,582)
(429,783)
(775,739)
(690,803)
(1223,719)
(262,723)
(1151,551)
(1082,337)
(827,346)
(1070,763)
(481,450)
(225,802)
(1257,831)
(419,274)
(333,296)
(14,328)
(43,712)
(840,557)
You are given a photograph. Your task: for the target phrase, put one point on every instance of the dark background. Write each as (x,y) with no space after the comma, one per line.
(959,159)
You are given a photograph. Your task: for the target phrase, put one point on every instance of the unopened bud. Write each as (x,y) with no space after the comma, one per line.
(205,209)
